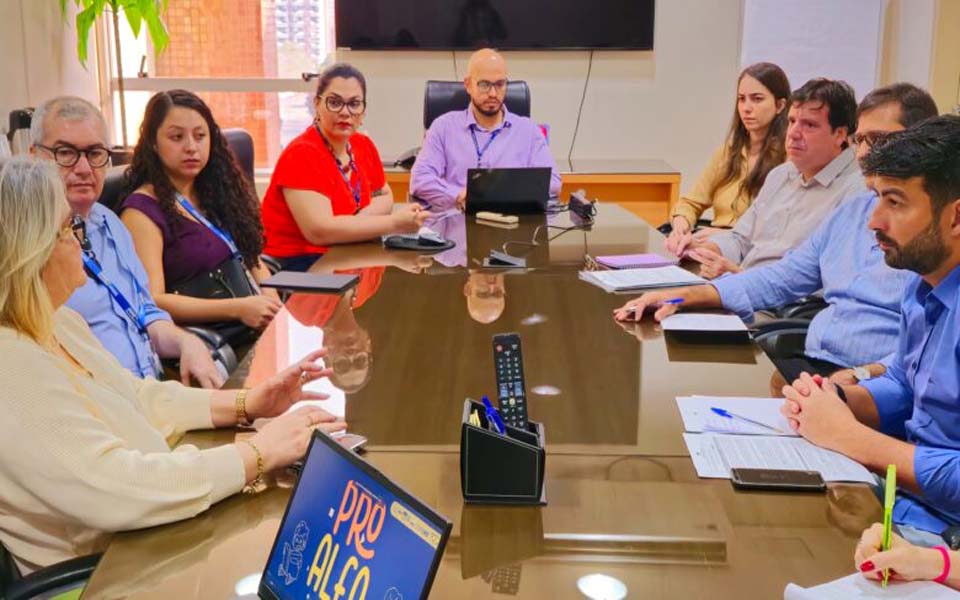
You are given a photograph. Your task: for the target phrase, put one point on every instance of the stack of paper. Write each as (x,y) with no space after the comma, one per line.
(856,586)
(703,322)
(641,279)
(635,261)
(717,445)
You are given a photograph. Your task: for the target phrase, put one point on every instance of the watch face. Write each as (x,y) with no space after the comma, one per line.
(861,373)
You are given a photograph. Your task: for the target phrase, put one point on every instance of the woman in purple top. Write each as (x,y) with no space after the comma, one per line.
(184,179)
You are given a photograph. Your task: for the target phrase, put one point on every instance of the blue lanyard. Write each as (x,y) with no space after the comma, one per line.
(137,317)
(476,144)
(354,188)
(223,235)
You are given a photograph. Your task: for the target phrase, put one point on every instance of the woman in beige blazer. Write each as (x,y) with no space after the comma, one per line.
(84,445)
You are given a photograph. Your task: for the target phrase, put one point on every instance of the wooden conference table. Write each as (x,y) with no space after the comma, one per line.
(623,497)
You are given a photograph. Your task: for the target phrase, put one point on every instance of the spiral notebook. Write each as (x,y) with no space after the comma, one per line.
(635,261)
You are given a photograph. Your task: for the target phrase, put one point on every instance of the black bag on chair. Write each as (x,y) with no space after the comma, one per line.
(229,279)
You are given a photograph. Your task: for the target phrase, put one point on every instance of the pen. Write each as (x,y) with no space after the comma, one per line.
(661,303)
(493,416)
(889,498)
(729,415)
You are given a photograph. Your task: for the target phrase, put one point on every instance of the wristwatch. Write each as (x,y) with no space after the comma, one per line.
(862,373)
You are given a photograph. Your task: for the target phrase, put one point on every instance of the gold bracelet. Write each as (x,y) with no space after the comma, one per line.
(254,486)
(242,417)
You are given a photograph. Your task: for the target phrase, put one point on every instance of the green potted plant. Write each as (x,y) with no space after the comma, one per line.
(137,12)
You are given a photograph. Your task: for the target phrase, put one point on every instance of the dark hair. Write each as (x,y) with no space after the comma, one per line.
(930,150)
(343,70)
(773,151)
(225,195)
(916,104)
(837,96)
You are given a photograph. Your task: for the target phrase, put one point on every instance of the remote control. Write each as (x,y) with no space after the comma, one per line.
(508,367)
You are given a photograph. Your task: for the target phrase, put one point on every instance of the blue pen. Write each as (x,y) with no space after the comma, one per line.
(729,415)
(493,416)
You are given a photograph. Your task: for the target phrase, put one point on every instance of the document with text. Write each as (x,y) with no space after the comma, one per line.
(698,416)
(856,586)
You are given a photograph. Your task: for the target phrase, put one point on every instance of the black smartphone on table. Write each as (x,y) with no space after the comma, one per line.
(777,480)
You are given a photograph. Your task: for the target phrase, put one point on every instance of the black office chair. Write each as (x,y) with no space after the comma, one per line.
(804,308)
(441,97)
(49,581)
(782,338)
(241,144)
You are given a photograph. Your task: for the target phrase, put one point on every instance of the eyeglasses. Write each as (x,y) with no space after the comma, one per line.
(347,364)
(485,86)
(68,156)
(870,138)
(335,104)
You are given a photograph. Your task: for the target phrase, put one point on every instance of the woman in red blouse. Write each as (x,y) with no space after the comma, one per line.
(328,186)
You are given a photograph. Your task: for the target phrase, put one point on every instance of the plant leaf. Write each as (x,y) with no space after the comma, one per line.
(155,25)
(85,21)
(134,17)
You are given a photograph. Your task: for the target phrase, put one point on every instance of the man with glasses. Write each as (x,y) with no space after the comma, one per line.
(116,300)
(484,135)
(856,334)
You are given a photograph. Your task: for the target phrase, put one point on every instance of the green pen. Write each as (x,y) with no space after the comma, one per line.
(888,500)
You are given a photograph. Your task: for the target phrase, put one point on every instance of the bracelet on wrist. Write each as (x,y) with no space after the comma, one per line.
(241,405)
(255,485)
(942,578)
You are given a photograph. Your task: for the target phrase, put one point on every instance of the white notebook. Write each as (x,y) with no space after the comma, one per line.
(856,586)
(706,322)
(624,280)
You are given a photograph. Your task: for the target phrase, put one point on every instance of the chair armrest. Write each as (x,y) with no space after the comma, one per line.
(805,308)
(61,575)
(210,337)
(781,326)
(273,265)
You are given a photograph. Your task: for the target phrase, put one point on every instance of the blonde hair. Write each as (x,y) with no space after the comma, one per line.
(32,208)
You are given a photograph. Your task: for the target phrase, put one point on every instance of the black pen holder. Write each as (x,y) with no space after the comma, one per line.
(501,468)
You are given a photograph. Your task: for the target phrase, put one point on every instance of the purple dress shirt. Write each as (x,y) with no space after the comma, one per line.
(440,172)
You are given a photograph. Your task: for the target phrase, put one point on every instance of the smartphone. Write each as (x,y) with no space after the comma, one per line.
(350,441)
(777,480)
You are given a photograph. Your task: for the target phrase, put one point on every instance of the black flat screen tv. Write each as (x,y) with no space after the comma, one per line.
(502,24)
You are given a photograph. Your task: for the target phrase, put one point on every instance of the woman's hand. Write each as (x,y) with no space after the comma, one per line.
(276,395)
(257,311)
(680,237)
(712,264)
(284,440)
(903,559)
(409,217)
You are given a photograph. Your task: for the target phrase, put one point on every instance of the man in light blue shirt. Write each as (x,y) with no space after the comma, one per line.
(72,132)
(860,325)
(909,416)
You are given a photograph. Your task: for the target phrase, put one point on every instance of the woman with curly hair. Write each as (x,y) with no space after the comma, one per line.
(191,211)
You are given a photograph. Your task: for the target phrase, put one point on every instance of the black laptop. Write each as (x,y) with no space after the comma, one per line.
(349,532)
(508,191)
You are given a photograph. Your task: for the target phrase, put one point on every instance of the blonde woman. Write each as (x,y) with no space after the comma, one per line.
(84,449)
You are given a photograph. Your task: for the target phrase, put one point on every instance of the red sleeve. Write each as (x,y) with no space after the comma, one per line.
(300,167)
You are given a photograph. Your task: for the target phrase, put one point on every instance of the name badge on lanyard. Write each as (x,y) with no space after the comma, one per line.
(476,144)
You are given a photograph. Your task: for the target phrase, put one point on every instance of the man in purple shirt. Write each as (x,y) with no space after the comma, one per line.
(484,135)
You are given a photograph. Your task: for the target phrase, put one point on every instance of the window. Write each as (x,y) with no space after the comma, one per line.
(245,58)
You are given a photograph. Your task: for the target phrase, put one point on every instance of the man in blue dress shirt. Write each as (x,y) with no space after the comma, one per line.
(860,325)
(72,132)
(909,416)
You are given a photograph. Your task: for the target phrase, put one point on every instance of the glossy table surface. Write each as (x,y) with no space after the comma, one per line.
(413,339)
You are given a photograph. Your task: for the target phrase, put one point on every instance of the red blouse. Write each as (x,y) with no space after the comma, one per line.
(307,164)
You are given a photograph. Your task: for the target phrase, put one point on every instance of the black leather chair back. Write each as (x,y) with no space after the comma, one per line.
(113,186)
(441,97)
(241,144)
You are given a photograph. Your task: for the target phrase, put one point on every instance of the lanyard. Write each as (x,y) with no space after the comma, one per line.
(223,235)
(476,144)
(352,166)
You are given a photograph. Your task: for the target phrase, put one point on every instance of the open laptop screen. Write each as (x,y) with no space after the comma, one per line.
(349,532)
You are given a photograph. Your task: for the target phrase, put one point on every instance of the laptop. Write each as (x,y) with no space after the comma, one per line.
(508,191)
(348,525)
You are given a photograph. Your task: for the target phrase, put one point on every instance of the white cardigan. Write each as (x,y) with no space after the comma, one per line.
(81,458)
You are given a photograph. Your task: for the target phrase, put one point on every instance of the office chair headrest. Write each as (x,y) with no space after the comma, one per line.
(441,97)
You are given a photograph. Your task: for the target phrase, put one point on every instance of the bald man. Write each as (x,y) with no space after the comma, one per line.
(484,135)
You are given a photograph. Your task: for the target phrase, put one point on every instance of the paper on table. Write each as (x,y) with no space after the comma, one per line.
(637,279)
(856,586)
(714,455)
(697,416)
(686,321)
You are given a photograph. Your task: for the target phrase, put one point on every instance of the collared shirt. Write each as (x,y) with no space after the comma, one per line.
(787,210)
(918,398)
(113,247)
(440,172)
(861,323)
